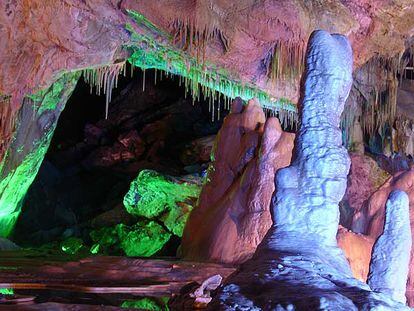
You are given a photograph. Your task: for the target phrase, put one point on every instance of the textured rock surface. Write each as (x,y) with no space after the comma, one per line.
(153,195)
(36,123)
(298,265)
(371,219)
(143,239)
(388,269)
(232,215)
(365,177)
(42,40)
(90,33)
(357,249)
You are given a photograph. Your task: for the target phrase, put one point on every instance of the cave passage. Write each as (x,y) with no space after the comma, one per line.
(77,198)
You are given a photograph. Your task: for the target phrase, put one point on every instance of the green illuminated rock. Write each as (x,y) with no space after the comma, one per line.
(153,195)
(143,239)
(71,245)
(146,304)
(147,53)
(37,120)
(106,241)
(6,291)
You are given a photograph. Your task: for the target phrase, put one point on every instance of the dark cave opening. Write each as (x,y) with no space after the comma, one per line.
(91,161)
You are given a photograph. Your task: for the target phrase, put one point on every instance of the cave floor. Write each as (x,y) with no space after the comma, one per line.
(47,281)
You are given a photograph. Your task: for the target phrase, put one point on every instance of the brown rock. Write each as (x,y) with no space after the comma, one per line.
(133,143)
(365,176)
(198,151)
(233,211)
(357,249)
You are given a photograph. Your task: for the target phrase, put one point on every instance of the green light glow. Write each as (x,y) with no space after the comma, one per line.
(71,245)
(143,239)
(152,195)
(21,162)
(198,77)
(6,291)
(147,304)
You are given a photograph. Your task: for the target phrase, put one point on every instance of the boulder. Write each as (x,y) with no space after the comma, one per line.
(168,199)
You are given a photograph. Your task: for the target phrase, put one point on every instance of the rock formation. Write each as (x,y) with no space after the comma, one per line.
(298,264)
(372,217)
(364,178)
(34,130)
(357,249)
(391,253)
(232,215)
(241,50)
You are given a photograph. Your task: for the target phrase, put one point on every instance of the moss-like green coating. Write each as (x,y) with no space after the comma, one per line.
(22,160)
(152,194)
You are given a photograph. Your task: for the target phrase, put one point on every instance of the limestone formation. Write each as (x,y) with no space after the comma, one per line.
(391,254)
(232,215)
(298,265)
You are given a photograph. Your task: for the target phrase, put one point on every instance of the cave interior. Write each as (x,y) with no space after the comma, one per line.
(206,154)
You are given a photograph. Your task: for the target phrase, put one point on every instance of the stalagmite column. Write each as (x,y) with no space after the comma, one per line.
(298,265)
(391,254)
(310,189)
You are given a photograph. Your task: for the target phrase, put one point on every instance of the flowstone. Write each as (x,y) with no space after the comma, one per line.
(299,266)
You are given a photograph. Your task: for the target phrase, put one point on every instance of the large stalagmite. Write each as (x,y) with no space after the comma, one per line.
(299,265)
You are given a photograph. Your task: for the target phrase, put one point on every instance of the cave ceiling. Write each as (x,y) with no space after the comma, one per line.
(259,44)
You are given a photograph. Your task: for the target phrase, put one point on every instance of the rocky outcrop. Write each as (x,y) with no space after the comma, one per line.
(34,130)
(298,264)
(169,199)
(84,34)
(232,215)
(249,46)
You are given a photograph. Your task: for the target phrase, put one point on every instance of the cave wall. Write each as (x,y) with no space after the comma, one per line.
(36,123)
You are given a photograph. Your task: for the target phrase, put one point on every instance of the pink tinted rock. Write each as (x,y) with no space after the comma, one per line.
(365,176)
(370,220)
(233,214)
(133,143)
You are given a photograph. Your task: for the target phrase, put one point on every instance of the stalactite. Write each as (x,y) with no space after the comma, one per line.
(105,78)
(201,79)
(286,61)
(194,38)
(379,110)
